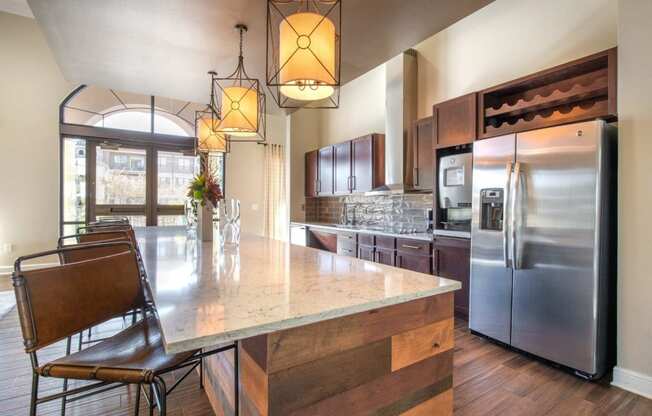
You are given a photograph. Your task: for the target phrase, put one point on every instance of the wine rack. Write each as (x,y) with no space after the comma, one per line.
(576,91)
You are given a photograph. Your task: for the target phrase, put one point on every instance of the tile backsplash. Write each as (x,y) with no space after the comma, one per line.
(389,212)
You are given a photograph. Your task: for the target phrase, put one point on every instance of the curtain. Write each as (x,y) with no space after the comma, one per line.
(276,213)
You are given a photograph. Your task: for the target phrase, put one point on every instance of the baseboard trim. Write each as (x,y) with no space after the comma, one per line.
(633,381)
(6,271)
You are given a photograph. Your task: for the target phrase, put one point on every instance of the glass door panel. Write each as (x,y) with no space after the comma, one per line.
(175,171)
(73,197)
(120,182)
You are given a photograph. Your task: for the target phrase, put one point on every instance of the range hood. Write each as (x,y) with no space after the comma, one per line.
(400,111)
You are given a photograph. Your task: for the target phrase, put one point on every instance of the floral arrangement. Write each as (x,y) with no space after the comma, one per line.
(204,188)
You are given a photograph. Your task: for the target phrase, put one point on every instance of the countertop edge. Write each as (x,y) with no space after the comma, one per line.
(413,236)
(231,336)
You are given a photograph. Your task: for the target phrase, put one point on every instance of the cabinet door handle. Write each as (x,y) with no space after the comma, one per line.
(410,246)
(436,262)
(416,177)
(353,184)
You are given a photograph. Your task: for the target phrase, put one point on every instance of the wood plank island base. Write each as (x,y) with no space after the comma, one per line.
(317,333)
(396,360)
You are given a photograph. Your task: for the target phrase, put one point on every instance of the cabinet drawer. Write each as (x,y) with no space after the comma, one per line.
(348,242)
(452,242)
(346,251)
(413,247)
(384,241)
(346,236)
(366,240)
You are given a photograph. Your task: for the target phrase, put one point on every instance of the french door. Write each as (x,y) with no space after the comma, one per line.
(146,184)
(119,184)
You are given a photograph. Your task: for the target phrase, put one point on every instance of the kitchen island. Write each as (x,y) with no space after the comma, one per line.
(316,333)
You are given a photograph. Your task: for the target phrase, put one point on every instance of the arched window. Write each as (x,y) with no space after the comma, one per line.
(126,154)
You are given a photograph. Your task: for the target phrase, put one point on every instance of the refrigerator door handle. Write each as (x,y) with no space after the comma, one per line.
(508,184)
(513,215)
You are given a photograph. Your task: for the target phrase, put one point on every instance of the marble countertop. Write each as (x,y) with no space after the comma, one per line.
(360,230)
(207,296)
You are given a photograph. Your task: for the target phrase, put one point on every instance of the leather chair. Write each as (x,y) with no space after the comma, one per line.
(58,302)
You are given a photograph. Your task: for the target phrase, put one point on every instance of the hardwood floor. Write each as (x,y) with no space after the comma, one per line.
(488,380)
(491,380)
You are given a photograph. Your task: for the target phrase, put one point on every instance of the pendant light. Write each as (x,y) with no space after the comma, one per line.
(238,103)
(303,52)
(207,139)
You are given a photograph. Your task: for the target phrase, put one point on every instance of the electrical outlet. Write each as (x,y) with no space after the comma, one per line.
(254,207)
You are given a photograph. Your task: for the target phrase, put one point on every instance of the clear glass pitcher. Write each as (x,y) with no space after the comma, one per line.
(229,212)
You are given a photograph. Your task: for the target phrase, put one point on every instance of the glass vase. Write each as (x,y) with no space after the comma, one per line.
(229,210)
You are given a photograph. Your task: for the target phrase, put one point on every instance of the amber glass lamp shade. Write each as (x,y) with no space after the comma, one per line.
(208,140)
(239,111)
(307,56)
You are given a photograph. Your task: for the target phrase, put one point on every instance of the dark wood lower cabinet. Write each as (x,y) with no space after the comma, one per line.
(415,255)
(415,263)
(366,253)
(452,259)
(385,256)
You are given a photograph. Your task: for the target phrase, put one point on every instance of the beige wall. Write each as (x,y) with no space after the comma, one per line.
(31,89)
(509,39)
(635,193)
(361,111)
(304,136)
(244,175)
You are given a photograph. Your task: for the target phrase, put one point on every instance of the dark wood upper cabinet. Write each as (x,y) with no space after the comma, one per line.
(452,259)
(422,155)
(367,162)
(455,121)
(325,181)
(312,173)
(356,165)
(342,168)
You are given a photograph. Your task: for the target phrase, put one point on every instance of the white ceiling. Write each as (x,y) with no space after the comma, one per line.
(19,7)
(166,47)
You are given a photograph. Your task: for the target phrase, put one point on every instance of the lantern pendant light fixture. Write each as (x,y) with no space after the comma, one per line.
(238,103)
(303,52)
(207,139)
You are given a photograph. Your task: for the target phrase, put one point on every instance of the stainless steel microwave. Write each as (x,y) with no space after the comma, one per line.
(454,181)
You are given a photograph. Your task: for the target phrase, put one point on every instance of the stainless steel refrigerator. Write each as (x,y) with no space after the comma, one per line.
(543,243)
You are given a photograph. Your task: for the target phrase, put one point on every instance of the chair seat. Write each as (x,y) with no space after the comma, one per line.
(134,355)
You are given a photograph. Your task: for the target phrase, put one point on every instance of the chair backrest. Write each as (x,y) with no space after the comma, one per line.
(72,256)
(102,221)
(90,229)
(57,302)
